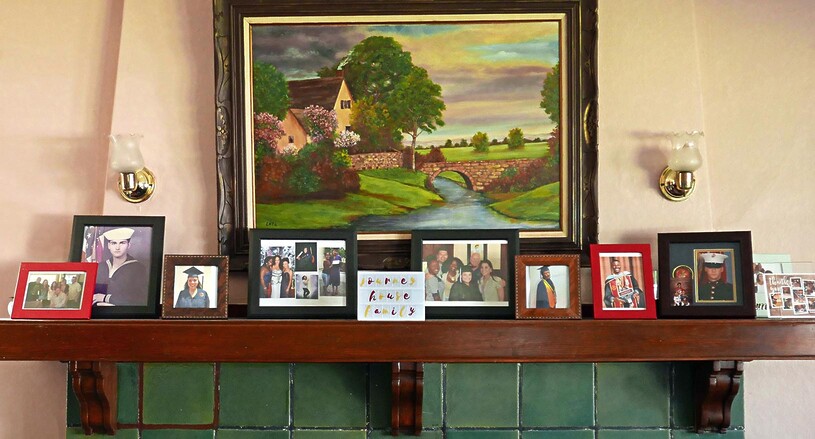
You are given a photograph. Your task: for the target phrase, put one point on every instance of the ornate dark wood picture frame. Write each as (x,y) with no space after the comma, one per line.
(390,249)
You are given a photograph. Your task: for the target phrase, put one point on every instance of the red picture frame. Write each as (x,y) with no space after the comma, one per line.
(54,302)
(622,281)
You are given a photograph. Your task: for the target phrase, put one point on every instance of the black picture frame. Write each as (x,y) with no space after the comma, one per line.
(290,308)
(452,240)
(578,222)
(684,288)
(88,229)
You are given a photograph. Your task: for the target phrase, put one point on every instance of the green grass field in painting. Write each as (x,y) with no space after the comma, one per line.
(540,204)
(398,174)
(400,194)
(496,152)
(382,192)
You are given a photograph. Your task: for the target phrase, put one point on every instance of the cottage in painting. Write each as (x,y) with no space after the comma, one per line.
(329,93)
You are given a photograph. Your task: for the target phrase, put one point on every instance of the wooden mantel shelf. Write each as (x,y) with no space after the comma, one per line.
(240,340)
(718,348)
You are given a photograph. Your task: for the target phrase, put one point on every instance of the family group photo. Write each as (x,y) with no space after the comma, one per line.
(54,290)
(465,271)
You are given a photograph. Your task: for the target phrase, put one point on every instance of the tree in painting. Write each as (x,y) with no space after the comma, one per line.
(480,142)
(515,139)
(270,93)
(550,94)
(372,69)
(416,107)
(550,102)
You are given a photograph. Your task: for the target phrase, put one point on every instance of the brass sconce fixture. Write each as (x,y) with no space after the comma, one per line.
(136,183)
(677,181)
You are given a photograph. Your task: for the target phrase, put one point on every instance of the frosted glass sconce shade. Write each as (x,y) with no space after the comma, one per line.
(136,183)
(677,181)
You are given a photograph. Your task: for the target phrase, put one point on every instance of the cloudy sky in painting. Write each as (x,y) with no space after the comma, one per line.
(490,73)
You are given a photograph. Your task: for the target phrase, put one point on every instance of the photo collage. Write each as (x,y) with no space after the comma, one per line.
(302,272)
(791,295)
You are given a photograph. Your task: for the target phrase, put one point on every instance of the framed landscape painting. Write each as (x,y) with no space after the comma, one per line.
(388,117)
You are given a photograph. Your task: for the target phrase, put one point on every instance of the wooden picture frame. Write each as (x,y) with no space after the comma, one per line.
(321,274)
(541,280)
(138,280)
(569,227)
(437,252)
(58,300)
(688,263)
(622,281)
(209,274)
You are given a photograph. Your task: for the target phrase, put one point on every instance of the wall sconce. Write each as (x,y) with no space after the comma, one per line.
(136,183)
(677,181)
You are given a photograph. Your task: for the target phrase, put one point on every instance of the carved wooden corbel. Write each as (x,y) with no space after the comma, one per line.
(95,385)
(407,387)
(718,384)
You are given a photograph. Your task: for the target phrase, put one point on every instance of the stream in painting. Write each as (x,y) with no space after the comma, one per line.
(463,209)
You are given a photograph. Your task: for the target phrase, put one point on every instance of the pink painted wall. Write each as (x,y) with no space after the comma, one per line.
(58,64)
(75,71)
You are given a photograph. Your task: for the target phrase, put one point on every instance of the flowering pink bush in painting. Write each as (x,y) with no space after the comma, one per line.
(321,123)
(268,128)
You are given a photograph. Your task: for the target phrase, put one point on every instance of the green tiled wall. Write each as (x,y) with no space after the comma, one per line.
(352,401)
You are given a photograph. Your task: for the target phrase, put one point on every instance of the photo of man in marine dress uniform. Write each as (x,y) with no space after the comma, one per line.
(714,285)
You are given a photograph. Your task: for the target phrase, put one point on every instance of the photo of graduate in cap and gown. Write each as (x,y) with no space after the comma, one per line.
(621,289)
(545,295)
(193,296)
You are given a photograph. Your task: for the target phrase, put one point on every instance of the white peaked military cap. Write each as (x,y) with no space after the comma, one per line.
(119,234)
(714,259)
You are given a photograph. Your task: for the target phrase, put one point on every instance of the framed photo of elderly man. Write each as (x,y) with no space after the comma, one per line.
(195,287)
(622,281)
(548,286)
(128,251)
(706,274)
(468,273)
